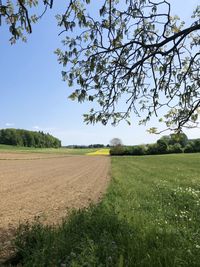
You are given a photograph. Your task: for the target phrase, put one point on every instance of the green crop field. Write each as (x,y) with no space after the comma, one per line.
(149,217)
(62,150)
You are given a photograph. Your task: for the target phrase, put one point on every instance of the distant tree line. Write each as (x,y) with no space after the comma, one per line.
(89,146)
(174,143)
(20,137)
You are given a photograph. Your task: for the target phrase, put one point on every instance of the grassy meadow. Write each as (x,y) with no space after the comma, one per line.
(62,150)
(149,217)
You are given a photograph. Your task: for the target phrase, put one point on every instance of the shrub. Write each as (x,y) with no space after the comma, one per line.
(162,146)
(178,138)
(128,150)
(138,150)
(189,148)
(176,148)
(118,151)
(196,145)
(152,149)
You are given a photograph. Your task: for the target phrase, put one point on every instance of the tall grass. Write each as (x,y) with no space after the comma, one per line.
(149,217)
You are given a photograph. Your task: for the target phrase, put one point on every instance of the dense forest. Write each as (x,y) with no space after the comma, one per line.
(19,137)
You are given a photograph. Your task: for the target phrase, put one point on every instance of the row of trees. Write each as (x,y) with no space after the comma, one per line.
(19,137)
(89,146)
(174,143)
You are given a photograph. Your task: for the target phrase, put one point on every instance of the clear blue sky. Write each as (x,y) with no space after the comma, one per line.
(33,95)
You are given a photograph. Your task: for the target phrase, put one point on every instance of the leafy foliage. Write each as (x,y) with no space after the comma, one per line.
(176,148)
(129,57)
(115,142)
(118,151)
(24,138)
(136,54)
(16,14)
(192,146)
(173,143)
(162,146)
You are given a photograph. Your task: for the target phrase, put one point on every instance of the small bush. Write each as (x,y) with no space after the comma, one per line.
(128,150)
(118,151)
(152,149)
(189,149)
(176,148)
(196,145)
(138,150)
(162,146)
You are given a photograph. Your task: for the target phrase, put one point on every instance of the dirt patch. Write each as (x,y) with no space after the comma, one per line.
(47,188)
(27,156)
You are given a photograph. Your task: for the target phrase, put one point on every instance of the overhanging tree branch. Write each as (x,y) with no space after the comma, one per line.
(16,15)
(134,54)
(133,57)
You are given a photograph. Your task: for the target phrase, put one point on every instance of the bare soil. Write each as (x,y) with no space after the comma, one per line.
(27,156)
(46,187)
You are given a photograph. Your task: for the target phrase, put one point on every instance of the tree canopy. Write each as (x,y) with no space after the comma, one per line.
(18,15)
(115,142)
(133,55)
(20,137)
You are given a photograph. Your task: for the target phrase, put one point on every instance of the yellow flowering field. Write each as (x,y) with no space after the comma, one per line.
(103,151)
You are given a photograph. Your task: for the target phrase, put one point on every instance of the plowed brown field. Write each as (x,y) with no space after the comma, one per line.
(46,186)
